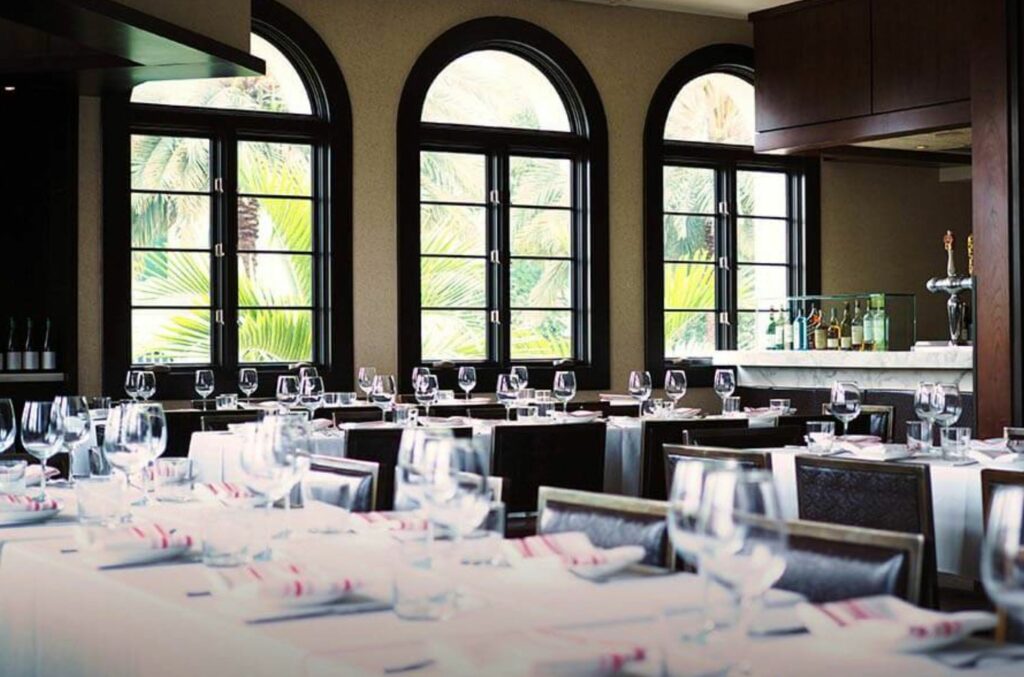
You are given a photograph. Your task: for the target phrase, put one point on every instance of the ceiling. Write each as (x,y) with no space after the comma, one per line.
(736,9)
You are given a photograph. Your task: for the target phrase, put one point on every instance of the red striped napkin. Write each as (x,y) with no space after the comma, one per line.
(606,663)
(284,583)
(890,623)
(225,491)
(134,537)
(387,521)
(19,503)
(573,550)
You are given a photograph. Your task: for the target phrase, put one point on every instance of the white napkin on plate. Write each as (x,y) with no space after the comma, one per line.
(139,537)
(615,398)
(442,421)
(287,583)
(386,521)
(890,624)
(869,447)
(321,424)
(572,550)
(20,503)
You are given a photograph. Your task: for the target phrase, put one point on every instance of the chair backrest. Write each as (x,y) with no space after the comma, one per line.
(871,494)
(874,419)
(992,479)
(655,434)
(749,438)
(212,422)
(567,455)
(830,562)
(748,460)
(609,521)
(356,414)
(354,486)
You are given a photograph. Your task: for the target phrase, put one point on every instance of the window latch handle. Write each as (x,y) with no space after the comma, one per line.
(218,185)
(495,317)
(219,316)
(496,257)
(723,319)
(495,197)
(723,262)
(218,250)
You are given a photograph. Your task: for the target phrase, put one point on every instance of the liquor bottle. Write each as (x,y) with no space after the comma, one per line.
(49,357)
(13,354)
(770,342)
(869,327)
(846,329)
(787,331)
(832,332)
(800,330)
(820,332)
(29,357)
(857,328)
(880,325)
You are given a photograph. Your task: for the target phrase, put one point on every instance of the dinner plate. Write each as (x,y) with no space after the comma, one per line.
(10,518)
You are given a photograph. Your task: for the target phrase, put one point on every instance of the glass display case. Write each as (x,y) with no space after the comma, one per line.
(859,322)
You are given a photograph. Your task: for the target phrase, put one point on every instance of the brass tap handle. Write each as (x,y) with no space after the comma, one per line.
(947,242)
(970,254)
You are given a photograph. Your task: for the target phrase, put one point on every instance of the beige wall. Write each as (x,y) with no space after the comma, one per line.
(882,228)
(376,42)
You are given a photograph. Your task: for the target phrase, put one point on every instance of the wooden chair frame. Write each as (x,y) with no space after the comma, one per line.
(873,409)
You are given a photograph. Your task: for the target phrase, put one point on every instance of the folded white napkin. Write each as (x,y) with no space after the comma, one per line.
(283,582)
(320,424)
(873,451)
(442,421)
(572,550)
(578,415)
(685,412)
(888,623)
(767,411)
(386,521)
(616,398)
(141,536)
(224,492)
(34,475)
(19,503)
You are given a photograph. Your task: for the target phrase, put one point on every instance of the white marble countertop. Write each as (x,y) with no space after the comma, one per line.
(954,358)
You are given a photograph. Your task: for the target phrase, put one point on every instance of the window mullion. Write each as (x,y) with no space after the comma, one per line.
(229,239)
(500,187)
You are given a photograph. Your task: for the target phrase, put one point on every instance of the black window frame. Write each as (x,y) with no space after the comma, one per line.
(328,130)
(586,145)
(726,160)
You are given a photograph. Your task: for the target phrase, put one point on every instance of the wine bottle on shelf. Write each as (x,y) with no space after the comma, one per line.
(820,332)
(30,356)
(800,330)
(13,354)
(787,330)
(856,328)
(832,331)
(49,357)
(770,342)
(880,325)
(869,327)
(846,329)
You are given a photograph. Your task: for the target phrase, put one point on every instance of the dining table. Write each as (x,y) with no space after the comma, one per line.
(60,614)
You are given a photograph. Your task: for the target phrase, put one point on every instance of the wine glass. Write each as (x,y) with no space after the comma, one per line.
(947,403)
(383,391)
(75,425)
(311,394)
(725,384)
(366,376)
(412,472)
(147,384)
(41,433)
(425,390)
(8,425)
(743,538)
(418,373)
(131,384)
(467,379)
(507,393)
(564,388)
(640,387)
(845,402)
(248,381)
(1002,563)
(287,390)
(924,407)
(204,383)
(520,378)
(675,385)
(156,422)
(307,372)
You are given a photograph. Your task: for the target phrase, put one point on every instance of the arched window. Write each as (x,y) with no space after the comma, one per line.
(238,215)
(502,206)
(724,224)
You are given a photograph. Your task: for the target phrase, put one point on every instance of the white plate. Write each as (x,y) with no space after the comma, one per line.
(10,518)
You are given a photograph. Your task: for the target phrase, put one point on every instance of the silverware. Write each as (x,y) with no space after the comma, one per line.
(971,659)
(173,561)
(331,610)
(198,593)
(409,667)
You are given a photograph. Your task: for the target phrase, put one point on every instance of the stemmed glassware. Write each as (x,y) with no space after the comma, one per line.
(204,383)
(520,378)
(75,426)
(307,372)
(248,381)
(845,402)
(1002,553)
(383,391)
(157,424)
(725,384)
(564,388)
(640,387)
(41,434)
(311,394)
(8,425)
(425,390)
(418,373)
(365,380)
(947,404)
(675,385)
(467,379)
(147,384)
(924,407)
(287,391)
(131,384)
(507,393)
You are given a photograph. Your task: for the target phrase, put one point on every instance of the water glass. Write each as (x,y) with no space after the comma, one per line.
(955,441)
(526,412)
(174,479)
(422,588)
(102,499)
(919,436)
(545,408)
(99,406)
(345,398)
(1014,439)
(483,546)
(229,539)
(445,395)
(12,477)
(731,406)
(406,414)
(228,401)
(820,436)
(779,406)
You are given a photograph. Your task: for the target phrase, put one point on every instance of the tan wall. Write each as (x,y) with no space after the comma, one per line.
(882,228)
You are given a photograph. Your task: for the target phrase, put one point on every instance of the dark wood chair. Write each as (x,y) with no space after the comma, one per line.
(565,455)
(355,414)
(992,479)
(874,495)
(357,489)
(874,419)
(609,521)
(220,422)
(748,438)
(655,434)
(748,460)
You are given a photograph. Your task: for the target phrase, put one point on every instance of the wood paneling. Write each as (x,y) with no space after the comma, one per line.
(813,64)
(919,53)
